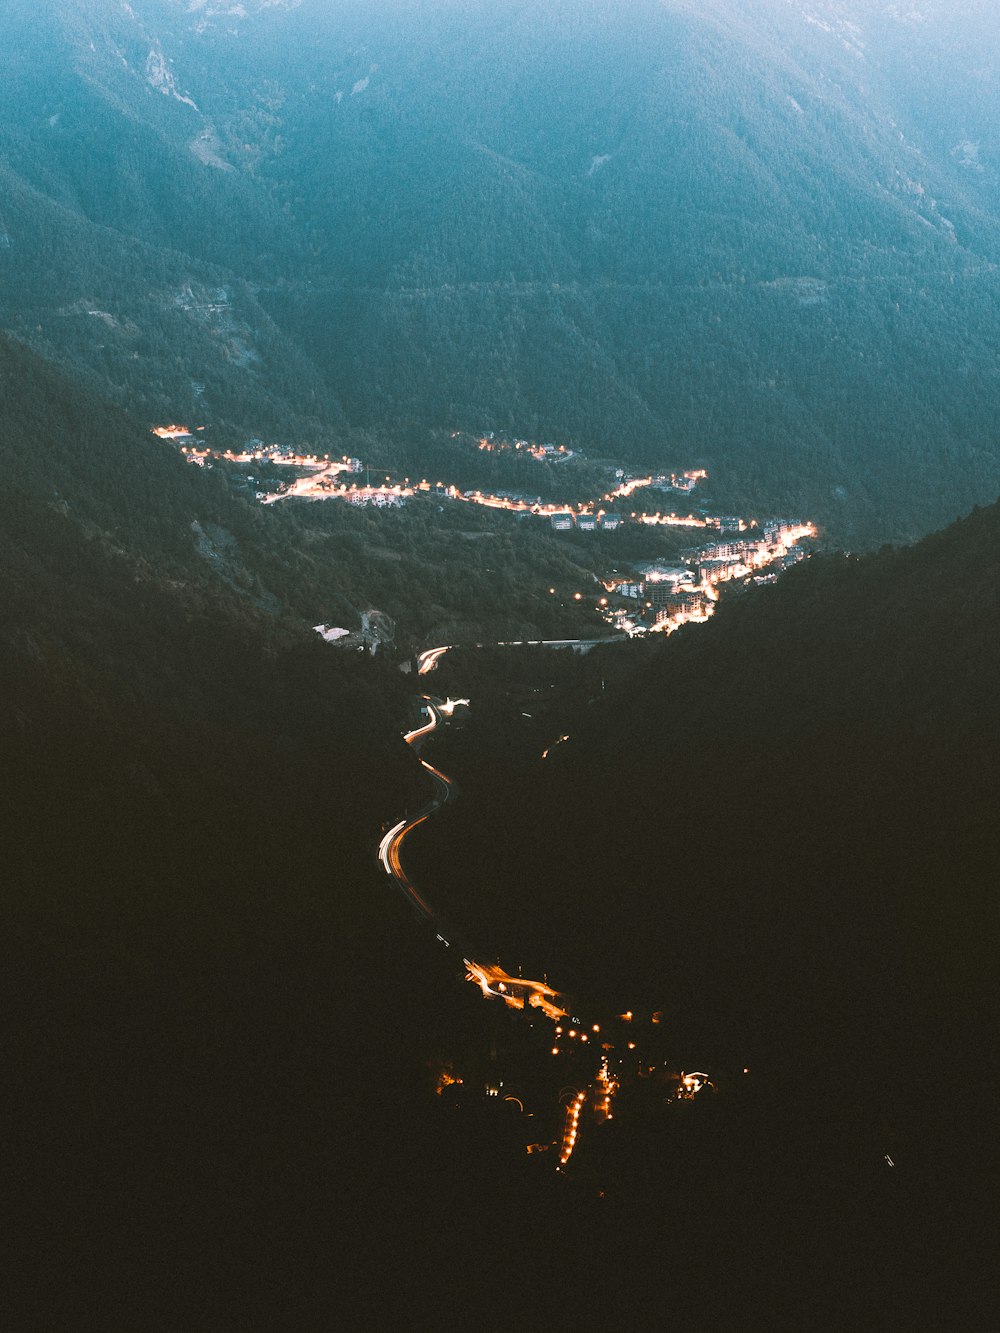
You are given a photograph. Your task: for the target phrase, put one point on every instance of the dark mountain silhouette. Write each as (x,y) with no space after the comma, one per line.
(778,829)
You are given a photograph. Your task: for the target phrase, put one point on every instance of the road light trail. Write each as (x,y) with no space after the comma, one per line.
(493,981)
(571,1129)
(428,661)
(430,725)
(389,856)
(516,992)
(444,785)
(519,993)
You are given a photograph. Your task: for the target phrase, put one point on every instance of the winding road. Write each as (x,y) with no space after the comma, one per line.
(615,1057)
(428,660)
(493,981)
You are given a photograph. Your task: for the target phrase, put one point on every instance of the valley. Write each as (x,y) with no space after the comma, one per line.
(793,271)
(655,596)
(499,595)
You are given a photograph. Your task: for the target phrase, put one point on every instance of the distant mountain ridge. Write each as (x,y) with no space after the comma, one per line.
(766,236)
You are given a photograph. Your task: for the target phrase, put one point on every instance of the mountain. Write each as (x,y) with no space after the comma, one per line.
(825,748)
(778,831)
(220,1030)
(761,237)
(195,942)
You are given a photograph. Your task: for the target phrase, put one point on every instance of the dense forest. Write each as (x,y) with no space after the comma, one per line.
(221,1029)
(437,572)
(756,239)
(779,830)
(211,1045)
(768,240)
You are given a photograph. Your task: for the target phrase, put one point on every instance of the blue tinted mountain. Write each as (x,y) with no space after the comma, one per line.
(762,237)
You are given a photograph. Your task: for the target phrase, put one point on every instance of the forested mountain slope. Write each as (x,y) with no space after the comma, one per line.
(220,1023)
(824,749)
(195,943)
(761,236)
(780,830)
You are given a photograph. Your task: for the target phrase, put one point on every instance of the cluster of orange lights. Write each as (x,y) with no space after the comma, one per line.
(539,452)
(521,993)
(607,1087)
(572,1130)
(754,555)
(572,1034)
(693,1083)
(446,1079)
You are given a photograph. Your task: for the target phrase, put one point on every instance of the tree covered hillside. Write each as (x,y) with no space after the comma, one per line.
(190,792)
(779,831)
(821,757)
(765,236)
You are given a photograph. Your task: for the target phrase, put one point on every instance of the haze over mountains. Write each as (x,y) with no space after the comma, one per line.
(761,237)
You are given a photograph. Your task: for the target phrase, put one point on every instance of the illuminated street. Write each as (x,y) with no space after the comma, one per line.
(602,1064)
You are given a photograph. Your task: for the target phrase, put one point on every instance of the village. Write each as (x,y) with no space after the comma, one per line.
(655,596)
(660,596)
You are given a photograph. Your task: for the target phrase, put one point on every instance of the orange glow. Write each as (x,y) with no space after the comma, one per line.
(571,1127)
(692,1084)
(516,992)
(428,660)
(607,1086)
(447,1078)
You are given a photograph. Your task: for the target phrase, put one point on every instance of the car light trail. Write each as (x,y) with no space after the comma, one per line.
(571,1129)
(516,992)
(607,1086)
(493,981)
(449,706)
(387,843)
(427,661)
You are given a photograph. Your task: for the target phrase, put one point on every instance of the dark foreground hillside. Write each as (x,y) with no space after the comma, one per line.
(214,1018)
(219,1030)
(780,830)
